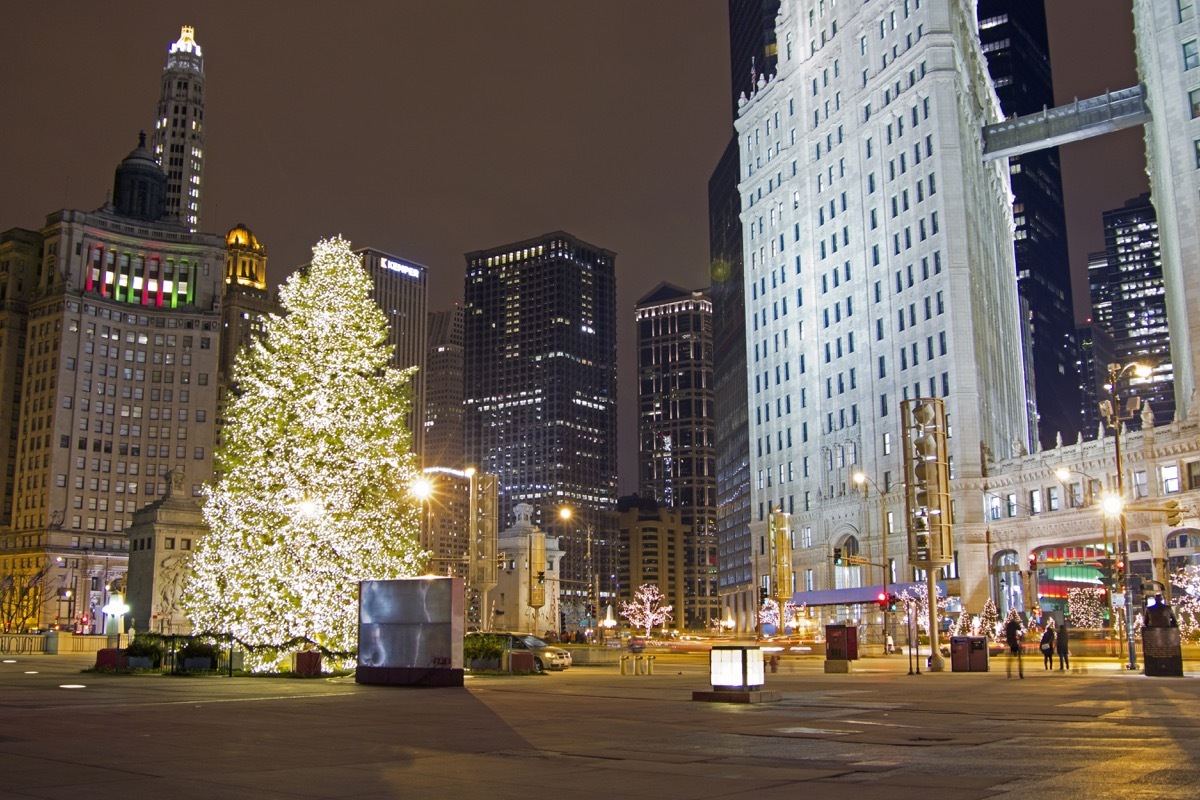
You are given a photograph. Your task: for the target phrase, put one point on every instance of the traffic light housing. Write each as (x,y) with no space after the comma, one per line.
(893,602)
(837,556)
(762,595)
(541,577)
(1032,563)
(1108,572)
(1174,513)
(882,600)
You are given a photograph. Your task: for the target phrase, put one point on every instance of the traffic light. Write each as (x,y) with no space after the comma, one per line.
(762,595)
(837,556)
(541,577)
(1108,571)
(1032,563)
(882,599)
(893,602)
(1174,512)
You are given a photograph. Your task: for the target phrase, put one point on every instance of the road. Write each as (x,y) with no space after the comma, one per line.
(1096,732)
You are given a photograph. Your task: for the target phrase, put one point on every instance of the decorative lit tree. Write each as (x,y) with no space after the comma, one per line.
(1186,581)
(962,626)
(1086,606)
(646,609)
(1011,615)
(989,620)
(769,614)
(314,468)
(916,599)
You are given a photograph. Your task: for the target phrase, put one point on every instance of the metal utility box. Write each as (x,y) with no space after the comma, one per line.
(968,654)
(841,643)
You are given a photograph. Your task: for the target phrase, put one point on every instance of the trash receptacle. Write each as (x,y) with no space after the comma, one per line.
(968,654)
(978,658)
(1162,648)
(960,656)
(841,643)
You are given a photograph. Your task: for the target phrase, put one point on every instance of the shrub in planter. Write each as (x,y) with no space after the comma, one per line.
(483,651)
(196,656)
(144,653)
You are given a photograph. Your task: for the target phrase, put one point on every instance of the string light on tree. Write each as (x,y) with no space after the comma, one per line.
(315,463)
(989,620)
(646,609)
(1086,606)
(1187,600)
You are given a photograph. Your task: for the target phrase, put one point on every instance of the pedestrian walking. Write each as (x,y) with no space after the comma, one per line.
(889,645)
(1047,648)
(1064,655)
(1012,635)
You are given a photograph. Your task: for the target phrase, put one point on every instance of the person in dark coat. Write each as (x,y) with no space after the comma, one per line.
(1064,655)
(1047,647)
(1012,636)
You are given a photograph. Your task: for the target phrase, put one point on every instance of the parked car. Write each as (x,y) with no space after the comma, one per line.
(545,656)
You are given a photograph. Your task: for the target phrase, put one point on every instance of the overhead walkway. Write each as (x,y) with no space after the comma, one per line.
(1064,124)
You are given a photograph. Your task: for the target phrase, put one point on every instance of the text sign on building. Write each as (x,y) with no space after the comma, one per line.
(401,267)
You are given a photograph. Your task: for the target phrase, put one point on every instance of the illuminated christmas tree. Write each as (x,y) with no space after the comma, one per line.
(314,468)
(646,609)
(989,620)
(1186,581)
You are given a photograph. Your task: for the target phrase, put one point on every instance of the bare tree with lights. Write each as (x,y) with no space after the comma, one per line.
(646,609)
(314,468)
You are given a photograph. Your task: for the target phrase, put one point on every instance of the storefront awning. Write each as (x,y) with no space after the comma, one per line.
(860,594)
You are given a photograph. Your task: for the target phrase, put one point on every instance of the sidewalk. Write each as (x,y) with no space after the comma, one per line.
(593,733)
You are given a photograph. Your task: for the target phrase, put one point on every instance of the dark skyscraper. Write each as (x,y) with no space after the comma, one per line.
(676,433)
(752,52)
(444,390)
(1014,39)
(540,378)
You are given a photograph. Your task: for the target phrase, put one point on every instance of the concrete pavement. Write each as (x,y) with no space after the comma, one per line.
(591,732)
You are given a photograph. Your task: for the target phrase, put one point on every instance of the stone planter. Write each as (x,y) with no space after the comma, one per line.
(484,663)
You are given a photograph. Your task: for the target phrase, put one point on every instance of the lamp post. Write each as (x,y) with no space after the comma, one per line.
(1064,474)
(593,579)
(866,483)
(1115,414)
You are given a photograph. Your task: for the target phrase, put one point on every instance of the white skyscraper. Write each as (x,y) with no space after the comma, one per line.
(878,267)
(1168,49)
(178,138)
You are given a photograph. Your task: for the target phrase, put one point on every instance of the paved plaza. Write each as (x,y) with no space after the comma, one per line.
(590,732)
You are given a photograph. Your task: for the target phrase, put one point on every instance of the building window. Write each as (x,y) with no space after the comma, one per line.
(1194,102)
(1011,505)
(1170,478)
(1191,54)
(1035,501)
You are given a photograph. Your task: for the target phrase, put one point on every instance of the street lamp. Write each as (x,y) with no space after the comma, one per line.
(866,483)
(1108,578)
(1115,414)
(593,588)
(422,489)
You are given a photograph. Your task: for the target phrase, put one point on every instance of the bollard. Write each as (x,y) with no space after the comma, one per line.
(650,665)
(639,665)
(624,665)
(774,663)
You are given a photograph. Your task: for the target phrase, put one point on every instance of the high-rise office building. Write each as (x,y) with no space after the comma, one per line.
(676,432)
(752,52)
(178,138)
(652,544)
(1017,48)
(539,320)
(400,288)
(1133,295)
(1095,354)
(1168,50)
(118,386)
(444,390)
(879,268)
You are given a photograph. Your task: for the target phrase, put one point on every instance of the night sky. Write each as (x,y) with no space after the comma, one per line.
(428,130)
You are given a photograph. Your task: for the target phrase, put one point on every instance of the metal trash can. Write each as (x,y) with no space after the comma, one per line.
(841,643)
(968,654)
